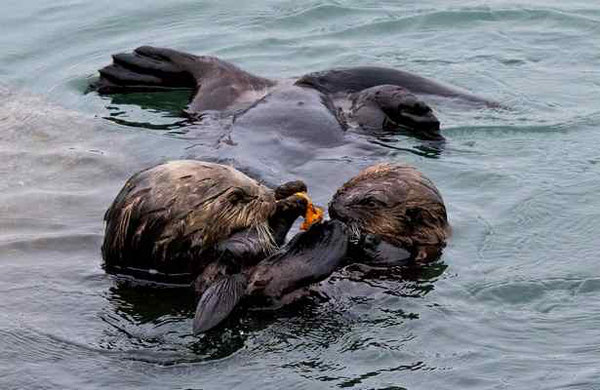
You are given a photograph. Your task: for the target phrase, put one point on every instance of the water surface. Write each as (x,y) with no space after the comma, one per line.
(514,301)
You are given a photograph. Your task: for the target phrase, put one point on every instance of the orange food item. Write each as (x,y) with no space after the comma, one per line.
(313,215)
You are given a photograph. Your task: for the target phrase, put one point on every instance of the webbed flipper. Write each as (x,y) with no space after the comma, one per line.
(217,84)
(218,301)
(359,78)
(148,68)
(308,258)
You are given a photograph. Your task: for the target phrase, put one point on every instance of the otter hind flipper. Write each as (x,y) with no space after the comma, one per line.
(217,83)
(147,68)
(359,78)
(218,301)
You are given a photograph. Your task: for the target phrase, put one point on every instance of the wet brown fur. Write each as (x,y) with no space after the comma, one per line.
(409,210)
(165,215)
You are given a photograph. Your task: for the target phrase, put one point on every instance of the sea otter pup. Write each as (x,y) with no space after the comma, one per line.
(330,101)
(395,215)
(212,226)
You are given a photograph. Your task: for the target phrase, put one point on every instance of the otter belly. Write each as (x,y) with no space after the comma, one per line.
(289,125)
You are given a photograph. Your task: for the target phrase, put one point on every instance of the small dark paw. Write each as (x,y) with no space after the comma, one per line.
(289,189)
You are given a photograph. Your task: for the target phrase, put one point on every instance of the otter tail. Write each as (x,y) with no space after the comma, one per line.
(218,302)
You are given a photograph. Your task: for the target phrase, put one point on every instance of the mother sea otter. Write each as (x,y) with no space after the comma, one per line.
(317,106)
(210,225)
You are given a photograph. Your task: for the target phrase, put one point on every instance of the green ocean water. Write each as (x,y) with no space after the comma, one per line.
(514,302)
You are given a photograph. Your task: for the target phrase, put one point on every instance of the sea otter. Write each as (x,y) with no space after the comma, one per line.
(168,215)
(215,228)
(317,106)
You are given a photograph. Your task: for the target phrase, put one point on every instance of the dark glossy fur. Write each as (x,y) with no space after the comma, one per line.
(220,85)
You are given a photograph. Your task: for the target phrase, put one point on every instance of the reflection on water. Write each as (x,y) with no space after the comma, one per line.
(151,111)
(415,282)
(156,319)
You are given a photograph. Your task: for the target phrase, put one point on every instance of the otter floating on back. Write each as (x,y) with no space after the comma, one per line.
(321,104)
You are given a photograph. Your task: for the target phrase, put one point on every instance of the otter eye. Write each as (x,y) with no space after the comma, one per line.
(371,202)
(238,196)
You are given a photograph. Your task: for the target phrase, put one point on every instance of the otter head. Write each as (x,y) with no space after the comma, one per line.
(392,206)
(228,201)
(257,218)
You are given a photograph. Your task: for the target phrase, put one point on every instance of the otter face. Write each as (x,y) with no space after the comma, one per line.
(370,207)
(198,194)
(392,204)
(239,207)
(269,214)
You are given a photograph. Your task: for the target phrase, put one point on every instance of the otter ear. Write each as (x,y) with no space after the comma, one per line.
(218,302)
